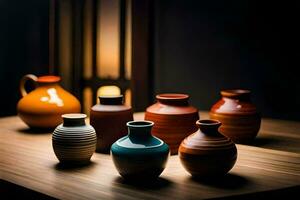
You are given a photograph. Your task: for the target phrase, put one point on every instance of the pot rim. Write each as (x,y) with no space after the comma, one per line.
(140,123)
(175,96)
(48,79)
(208,122)
(235,92)
(74,116)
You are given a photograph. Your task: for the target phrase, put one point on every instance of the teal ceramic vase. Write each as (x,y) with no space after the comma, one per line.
(139,155)
(74,141)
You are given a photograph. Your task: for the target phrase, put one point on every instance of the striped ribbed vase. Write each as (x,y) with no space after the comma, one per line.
(73,141)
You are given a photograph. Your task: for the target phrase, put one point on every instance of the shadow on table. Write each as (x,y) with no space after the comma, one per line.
(289,193)
(228,181)
(72,166)
(35,131)
(277,143)
(155,184)
(265,141)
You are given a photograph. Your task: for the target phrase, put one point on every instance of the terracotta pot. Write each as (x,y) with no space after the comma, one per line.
(109,119)
(74,142)
(173,118)
(43,107)
(207,153)
(240,118)
(140,156)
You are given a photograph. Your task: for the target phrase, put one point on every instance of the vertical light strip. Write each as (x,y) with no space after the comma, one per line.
(65,42)
(128,47)
(87,40)
(87,99)
(128,97)
(108,39)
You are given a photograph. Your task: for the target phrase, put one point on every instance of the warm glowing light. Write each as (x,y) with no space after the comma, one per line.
(108,39)
(128,46)
(87,40)
(109,90)
(128,97)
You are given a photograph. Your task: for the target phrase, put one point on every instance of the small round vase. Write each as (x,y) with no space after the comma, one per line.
(239,116)
(139,155)
(109,119)
(173,118)
(207,153)
(74,142)
(42,108)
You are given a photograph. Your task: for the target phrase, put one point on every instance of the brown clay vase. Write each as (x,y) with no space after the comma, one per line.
(109,119)
(42,108)
(207,153)
(239,116)
(173,118)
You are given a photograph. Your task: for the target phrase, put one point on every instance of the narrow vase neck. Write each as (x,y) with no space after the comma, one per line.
(48,81)
(173,99)
(243,95)
(111,100)
(139,130)
(47,85)
(75,119)
(209,127)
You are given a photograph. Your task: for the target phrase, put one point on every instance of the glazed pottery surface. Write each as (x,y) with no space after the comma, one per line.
(173,118)
(239,116)
(207,153)
(139,155)
(43,107)
(109,119)
(74,142)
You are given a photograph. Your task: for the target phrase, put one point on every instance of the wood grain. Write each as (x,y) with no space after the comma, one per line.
(27,159)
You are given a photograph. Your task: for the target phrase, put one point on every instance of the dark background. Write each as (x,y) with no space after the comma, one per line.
(202,47)
(23,46)
(199,48)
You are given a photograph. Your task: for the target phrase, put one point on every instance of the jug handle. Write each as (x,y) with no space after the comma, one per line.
(28,77)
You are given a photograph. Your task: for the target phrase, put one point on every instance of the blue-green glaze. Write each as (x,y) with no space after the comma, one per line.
(140,155)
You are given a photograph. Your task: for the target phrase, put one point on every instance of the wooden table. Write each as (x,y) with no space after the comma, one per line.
(271,166)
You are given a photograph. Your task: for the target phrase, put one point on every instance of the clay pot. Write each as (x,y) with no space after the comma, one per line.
(139,155)
(109,119)
(240,118)
(173,118)
(43,107)
(74,142)
(207,153)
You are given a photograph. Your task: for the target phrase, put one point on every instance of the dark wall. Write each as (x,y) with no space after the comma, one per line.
(202,47)
(23,46)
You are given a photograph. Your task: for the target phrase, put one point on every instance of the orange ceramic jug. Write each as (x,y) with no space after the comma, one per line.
(43,107)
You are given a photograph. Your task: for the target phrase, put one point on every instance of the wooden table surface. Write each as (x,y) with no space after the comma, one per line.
(269,166)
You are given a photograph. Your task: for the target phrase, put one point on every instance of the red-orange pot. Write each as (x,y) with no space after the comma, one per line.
(239,116)
(173,118)
(207,153)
